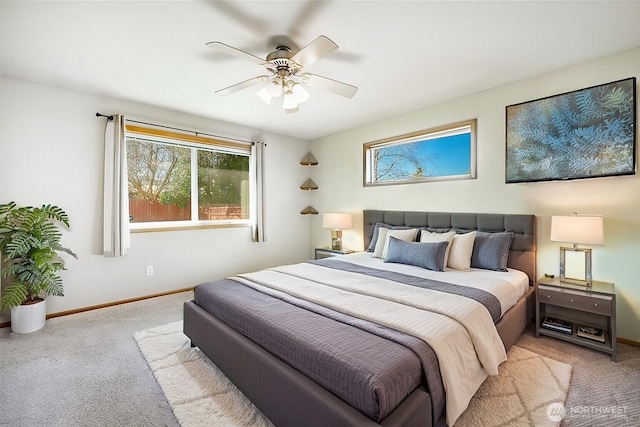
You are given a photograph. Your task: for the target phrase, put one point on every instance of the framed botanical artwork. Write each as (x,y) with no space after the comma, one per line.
(586,133)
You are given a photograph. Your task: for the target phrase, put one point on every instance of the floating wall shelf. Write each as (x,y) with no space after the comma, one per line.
(309,160)
(309,210)
(309,185)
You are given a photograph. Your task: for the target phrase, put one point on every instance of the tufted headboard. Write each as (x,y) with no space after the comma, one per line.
(522,255)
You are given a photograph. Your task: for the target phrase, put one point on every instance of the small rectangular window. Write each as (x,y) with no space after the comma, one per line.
(444,153)
(181,181)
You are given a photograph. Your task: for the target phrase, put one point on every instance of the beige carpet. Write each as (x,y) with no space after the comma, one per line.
(200,394)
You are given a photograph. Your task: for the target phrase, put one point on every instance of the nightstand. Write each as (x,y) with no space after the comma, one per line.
(592,307)
(327,252)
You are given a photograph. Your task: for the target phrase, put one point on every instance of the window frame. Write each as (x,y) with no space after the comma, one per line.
(419,136)
(194,142)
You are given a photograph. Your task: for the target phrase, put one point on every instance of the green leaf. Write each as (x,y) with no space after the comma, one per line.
(14,295)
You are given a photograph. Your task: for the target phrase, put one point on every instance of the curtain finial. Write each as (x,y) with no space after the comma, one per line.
(109,118)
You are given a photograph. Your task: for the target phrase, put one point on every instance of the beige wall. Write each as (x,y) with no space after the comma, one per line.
(339,177)
(51,151)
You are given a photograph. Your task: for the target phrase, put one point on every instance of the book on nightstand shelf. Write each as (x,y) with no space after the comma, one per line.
(556,324)
(591,333)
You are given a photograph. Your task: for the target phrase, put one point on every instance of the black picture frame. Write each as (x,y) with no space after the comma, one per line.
(586,133)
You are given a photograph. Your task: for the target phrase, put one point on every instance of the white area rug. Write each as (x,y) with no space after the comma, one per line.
(200,394)
(521,393)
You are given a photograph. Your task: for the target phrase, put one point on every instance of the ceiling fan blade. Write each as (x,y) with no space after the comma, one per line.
(239,86)
(248,21)
(307,12)
(314,51)
(330,85)
(230,50)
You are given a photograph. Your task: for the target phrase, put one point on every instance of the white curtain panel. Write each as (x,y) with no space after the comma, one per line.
(116,191)
(258,231)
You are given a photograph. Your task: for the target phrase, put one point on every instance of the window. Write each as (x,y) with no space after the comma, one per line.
(178,180)
(443,153)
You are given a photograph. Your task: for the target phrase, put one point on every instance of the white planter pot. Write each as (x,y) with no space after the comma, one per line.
(28,318)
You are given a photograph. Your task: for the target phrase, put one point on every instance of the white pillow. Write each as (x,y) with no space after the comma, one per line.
(427,236)
(406,235)
(382,237)
(461,251)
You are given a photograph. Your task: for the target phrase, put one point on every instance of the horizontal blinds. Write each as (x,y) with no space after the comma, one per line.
(179,136)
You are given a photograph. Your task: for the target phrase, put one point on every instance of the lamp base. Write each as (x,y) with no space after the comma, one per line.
(336,240)
(578,282)
(588,281)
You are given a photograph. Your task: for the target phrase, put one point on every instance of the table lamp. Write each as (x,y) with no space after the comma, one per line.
(336,222)
(577,229)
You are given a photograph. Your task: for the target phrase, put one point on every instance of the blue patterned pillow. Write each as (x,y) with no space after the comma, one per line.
(491,250)
(425,255)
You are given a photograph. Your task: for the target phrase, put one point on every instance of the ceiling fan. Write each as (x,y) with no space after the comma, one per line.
(286,78)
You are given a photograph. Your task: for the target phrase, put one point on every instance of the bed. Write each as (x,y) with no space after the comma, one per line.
(322,360)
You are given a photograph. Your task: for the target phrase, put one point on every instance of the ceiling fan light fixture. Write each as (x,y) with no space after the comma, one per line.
(300,94)
(289,102)
(274,88)
(264,95)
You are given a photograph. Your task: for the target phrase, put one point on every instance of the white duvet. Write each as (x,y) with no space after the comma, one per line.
(507,286)
(460,330)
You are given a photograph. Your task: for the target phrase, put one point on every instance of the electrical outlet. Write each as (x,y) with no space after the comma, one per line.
(149,270)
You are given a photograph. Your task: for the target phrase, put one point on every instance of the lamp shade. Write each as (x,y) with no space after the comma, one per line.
(336,221)
(583,229)
(289,101)
(274,87)
(264,95)
(300,94)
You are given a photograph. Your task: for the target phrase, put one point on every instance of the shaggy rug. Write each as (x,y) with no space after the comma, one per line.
(530,390)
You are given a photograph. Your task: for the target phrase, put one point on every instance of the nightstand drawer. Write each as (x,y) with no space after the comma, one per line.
(600,304)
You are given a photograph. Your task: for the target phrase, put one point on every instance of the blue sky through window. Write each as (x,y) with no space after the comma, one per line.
(435,157)
(451,154)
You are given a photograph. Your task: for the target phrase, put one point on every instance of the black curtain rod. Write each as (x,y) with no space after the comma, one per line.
(109,118)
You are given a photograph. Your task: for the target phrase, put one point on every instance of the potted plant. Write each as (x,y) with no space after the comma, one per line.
(29,243)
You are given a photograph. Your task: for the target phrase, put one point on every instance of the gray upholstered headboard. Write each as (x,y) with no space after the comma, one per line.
(522,255)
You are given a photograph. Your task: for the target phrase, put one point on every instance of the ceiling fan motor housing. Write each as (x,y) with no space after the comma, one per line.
(279,62)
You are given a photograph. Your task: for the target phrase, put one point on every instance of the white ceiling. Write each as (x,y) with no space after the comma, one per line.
(401,55)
